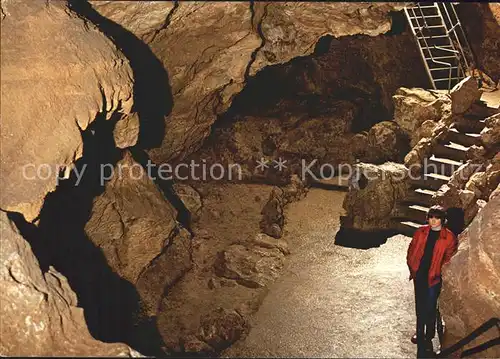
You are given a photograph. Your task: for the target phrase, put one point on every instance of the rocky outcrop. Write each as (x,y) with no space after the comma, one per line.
(472,281)
(369,208)
(58,74)
(233,265)
(253,36)
(463,95)
(290,30)
(481,22)
(385,142)
(126,131)
(490,135)
(415,108)
(136,229)
(253,267)
(40,314)
(142,18)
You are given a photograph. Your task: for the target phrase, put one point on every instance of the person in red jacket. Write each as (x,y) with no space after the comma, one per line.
(432,246)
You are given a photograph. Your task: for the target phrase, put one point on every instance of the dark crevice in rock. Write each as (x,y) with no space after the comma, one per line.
(30,233)
(258,28)
(167,21)
(152,93)
(399,24)
(111,304)
(165,186)
(323,45)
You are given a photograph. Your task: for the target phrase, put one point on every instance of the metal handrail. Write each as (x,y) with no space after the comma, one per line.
(426,26)
(454,32)
(463,64)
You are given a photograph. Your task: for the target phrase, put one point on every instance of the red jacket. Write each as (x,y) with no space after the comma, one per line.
(445,248)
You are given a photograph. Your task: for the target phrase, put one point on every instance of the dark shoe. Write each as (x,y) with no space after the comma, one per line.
(414,338)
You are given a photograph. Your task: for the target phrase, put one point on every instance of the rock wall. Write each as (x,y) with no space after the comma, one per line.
(482,25)
(472,280)
(58,74)
(251,37)
(40,314)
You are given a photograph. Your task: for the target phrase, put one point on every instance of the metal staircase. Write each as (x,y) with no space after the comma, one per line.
(441,41)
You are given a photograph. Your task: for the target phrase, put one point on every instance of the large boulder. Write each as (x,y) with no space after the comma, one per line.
(387,142)
(58,74)
(253,267)
(369,207)
(490,135)
(40,314)
(472,281)
(463,95)
(414,107)
(483,183)
(136,229)
(142,18)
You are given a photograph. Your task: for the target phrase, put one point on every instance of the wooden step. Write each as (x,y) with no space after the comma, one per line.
(427,182)
(468,125)
(464,138)
(419,196)
(405,227)
(450,150)
(444,166)
(415,213)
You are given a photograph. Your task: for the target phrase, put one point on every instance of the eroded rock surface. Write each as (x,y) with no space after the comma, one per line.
(143,18)
(39,311)
(136,228)
(472,280)
(369,207)
(212,60)
(414,107)
(69,72)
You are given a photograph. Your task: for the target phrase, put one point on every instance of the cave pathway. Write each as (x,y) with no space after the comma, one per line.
(333,301)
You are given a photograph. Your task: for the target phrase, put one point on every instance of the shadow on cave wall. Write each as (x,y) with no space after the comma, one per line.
(110,303)
(483,32)
(152,93)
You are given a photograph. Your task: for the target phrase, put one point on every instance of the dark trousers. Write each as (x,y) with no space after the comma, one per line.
(425,307)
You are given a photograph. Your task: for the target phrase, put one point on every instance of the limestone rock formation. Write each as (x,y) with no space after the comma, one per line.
(481,22)
(136,228)
(386,142)
(39,311)
(222,327)
(490,135)
(69,72)
(291,29)
(369,208)
(252,267)
(483,183)
(211,62)
(463,95)
(263,240)
(126,131)
(164,271)
(273,218)
(143,18)
(472,280)
(190,198)
(413,107)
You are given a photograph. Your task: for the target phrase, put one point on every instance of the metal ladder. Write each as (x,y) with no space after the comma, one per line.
(442,42)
